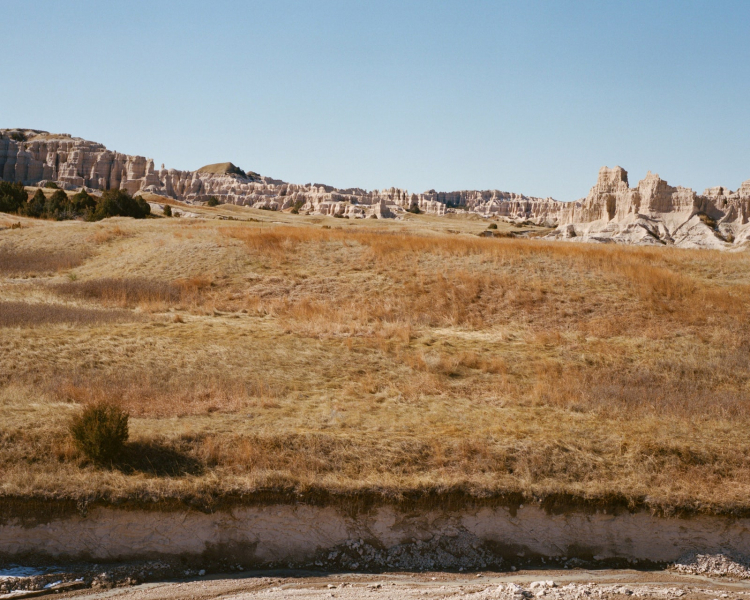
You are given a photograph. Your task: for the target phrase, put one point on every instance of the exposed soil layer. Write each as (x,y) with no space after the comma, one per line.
(382,538)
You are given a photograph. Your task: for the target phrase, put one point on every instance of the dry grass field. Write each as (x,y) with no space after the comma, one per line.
(274,353)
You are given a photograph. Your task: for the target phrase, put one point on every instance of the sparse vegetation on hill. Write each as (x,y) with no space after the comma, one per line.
(388,361)
(60,206)
(18,136)
(225,168)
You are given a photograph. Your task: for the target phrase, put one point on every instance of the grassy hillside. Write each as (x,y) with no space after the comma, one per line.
(363,358)
(225,168)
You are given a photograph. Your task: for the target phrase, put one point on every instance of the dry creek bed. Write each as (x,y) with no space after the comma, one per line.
(710,577)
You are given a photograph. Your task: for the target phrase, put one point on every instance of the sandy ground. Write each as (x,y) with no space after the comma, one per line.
(549,585)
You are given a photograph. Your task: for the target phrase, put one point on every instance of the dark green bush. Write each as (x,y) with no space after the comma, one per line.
(35,206)
(113,203)
(414,208)
(212,201)
(83,201)
(492,226)
(51,185)
(13,196)
(57,205)
(100,431)
(167,210)
(118,203)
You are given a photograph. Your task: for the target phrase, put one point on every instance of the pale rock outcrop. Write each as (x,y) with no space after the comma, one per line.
(651,213)
(496,203)
(32,157)
(656,213)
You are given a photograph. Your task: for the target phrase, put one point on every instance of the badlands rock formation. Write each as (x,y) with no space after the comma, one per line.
(655,213)
(32,157)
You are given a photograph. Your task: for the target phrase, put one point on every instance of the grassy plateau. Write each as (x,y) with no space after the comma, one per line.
(267,353)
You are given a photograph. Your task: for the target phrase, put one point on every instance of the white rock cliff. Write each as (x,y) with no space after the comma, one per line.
(652,213)
(37,156)
(655,213)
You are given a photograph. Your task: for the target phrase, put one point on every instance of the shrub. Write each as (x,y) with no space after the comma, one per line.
(212,201)
(167,210)
(35,206)
(13,196)
(18,136)
(100,431)
(51,185)
(297,205)
(59,206)
(414,208)
(710,221)
(492,226)
(118,203)
(56,205)
(83,201)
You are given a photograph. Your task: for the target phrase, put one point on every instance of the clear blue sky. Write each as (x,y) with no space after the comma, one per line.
(527,96)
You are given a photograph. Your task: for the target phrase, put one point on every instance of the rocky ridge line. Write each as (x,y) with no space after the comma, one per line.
(33,157)
(651,213)
(656,213)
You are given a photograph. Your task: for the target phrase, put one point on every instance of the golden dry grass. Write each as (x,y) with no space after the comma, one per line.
(28,314)
(381,358)
(14,263)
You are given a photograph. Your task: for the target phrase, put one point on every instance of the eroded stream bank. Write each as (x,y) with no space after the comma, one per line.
(384,537)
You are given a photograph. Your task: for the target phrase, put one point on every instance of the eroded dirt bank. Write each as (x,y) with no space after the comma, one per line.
(381,538)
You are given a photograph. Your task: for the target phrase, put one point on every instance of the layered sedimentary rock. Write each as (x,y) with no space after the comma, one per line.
(503,204)
(32,156)
(655,212)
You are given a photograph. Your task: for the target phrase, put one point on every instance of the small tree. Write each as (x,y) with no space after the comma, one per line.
(52,185)
(13,196)
(100,431)
(82,201)
(118,203)
(167,210)
(56,203)
(212,201)
(35,206)
(492,226)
